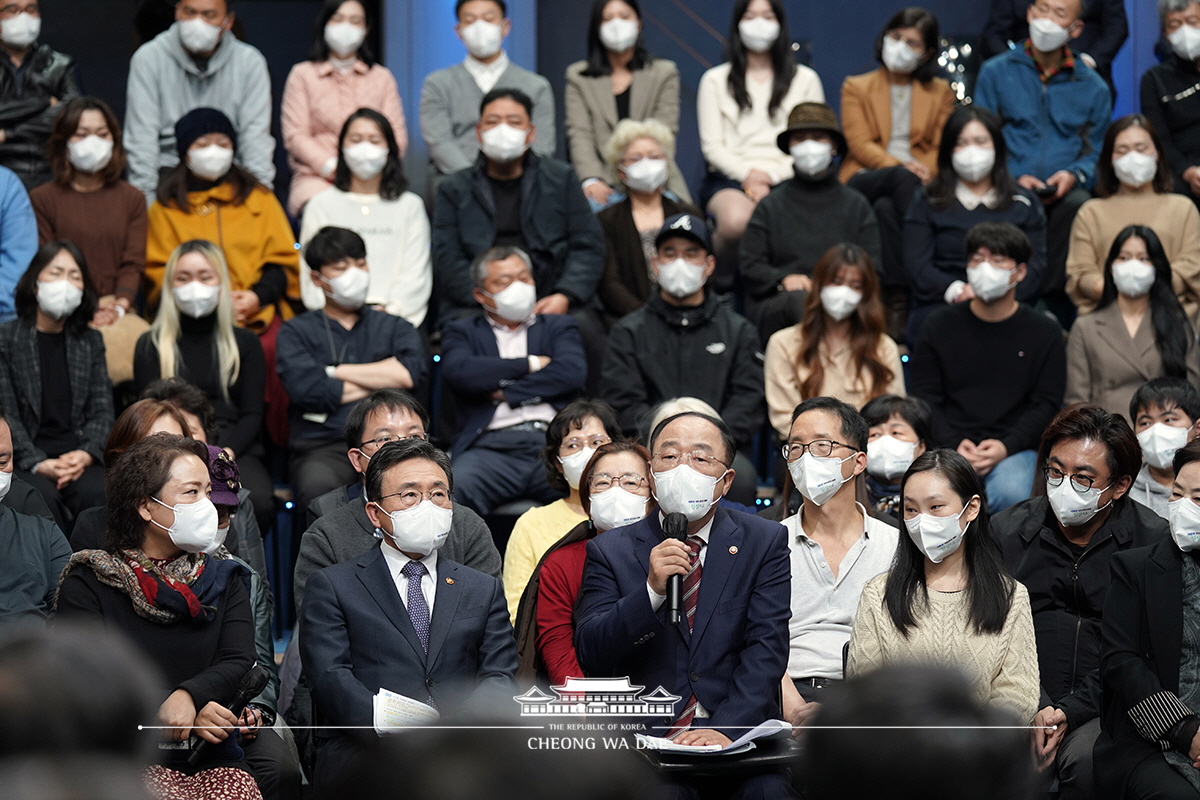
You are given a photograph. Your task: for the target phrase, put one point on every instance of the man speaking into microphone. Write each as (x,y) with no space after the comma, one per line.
(726,655)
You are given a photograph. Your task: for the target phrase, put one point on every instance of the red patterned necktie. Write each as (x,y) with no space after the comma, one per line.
(691,592)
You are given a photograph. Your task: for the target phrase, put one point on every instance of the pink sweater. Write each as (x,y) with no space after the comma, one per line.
(317,99)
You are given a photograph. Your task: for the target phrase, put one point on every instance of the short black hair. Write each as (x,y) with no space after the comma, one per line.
(331,245)
(1166,393)
(25,294)
(187,397)
(1186,455)
(567,420)
(1084,421)
(503,7)
(1000,238)
(854,428)
(394,453)
(392,400)
(727,440)
(913,410)
(506,93)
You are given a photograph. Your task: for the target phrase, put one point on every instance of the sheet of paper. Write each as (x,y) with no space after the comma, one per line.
(740,745)
(394,712)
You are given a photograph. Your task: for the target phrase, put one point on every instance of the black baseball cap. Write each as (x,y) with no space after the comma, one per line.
(688,226)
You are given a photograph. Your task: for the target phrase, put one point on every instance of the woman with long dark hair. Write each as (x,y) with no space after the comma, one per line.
(972,185)
(1139,330)
(54,385)
(619,80)
(839,349)
(1134,187)
(741,108)
(340,75)
(370,196)
(948,597)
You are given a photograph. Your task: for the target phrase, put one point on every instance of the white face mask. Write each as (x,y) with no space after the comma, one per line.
(758,34)
(937,537)
(1133,278)
(195,527)
(504,143)
(365,160)
(210,163)
(1184,516)
(349,290)
(618,35)
(1072,507)
(988,282)
(482,38)
(515,302)
(198,36)
(420,529)
(574,464)
(90,154)
(840,302)
(1159,443)
(1185,41)
(973,163)
(197,299)
(5,484)
(680,278)
(1135,169)
(344,38)
(646,175)
(1047,35)
(616,507)
(20,31)
(812,157)
(898,57)
(58,299)
(685,491)
(818,479)
(888,457)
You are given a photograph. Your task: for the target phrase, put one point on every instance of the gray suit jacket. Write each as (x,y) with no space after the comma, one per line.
(592,115)
(1105,366)
(450,108)
(345,533)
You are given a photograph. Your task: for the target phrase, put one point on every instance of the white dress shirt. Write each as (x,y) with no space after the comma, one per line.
(396,561)
(514,343)
(823,606)
(486,75)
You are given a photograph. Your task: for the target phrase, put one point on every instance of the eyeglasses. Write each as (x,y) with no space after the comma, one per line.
(380,441)
(601,482)
(575,444)
(411,497)
(701,460)
(1079,481)
(820,448)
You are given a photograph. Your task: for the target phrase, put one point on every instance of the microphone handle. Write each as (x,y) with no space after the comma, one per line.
(674,598)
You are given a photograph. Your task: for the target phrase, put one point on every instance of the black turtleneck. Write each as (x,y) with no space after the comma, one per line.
(238,418)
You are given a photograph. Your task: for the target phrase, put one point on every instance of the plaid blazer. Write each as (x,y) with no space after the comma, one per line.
(22,384)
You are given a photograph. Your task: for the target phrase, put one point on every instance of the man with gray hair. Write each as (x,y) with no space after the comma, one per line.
(1169,97)
(510,371)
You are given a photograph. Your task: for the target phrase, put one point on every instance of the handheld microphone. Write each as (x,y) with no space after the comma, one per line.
(675,526)
(253,683)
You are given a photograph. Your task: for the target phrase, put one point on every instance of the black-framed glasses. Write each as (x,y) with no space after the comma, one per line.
(1079,481)
(630,482)
(380,441)
(411,497)
(820,448)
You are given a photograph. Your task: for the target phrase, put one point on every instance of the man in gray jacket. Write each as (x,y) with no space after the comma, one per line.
(196,63)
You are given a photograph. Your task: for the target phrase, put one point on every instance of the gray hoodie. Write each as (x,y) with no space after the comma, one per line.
(165,83)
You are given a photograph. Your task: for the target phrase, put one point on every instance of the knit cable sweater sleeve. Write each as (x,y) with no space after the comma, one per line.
(866,638)
(1017,685)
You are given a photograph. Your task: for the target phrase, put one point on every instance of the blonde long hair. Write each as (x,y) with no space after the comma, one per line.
(164,332)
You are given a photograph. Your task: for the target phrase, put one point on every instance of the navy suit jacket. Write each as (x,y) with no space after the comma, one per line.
(473,368)
(736,654)
(356,638)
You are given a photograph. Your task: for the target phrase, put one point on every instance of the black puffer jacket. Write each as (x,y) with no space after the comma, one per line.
(26,114)
(1067,592)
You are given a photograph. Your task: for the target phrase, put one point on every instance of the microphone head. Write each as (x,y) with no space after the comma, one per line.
(675,525)
(255,680)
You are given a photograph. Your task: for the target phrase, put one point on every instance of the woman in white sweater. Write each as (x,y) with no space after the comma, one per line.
(948,598)
(370,197)
(742,107)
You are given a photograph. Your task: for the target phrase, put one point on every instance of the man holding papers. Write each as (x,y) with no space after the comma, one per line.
(401,636)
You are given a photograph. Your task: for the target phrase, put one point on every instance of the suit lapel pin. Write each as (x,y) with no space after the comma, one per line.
(733,551)
(450,581)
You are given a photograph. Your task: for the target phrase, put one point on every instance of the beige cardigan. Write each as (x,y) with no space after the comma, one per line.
(1003,667)
(783,375)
